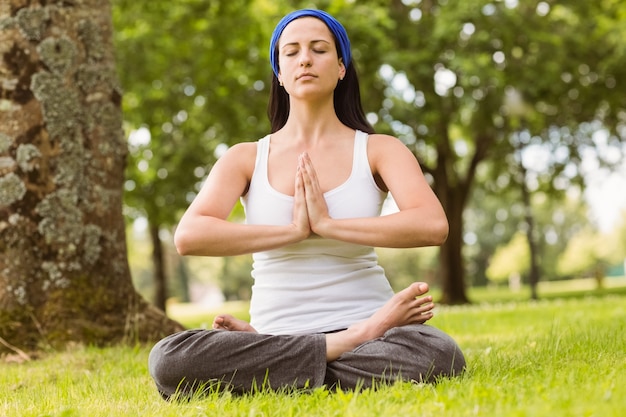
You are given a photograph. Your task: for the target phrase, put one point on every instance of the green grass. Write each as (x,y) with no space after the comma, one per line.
(564,355)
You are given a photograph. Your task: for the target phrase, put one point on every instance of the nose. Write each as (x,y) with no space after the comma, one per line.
(305,58)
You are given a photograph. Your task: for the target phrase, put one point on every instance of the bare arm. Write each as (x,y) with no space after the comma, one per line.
(420,220)
(204,228)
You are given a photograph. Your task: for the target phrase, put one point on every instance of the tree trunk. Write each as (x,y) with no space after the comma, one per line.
(451,252)
(453,194)
(64,273)
(160,282)
(533,278)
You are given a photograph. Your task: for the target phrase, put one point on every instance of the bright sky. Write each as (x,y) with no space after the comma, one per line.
(605,191)
(606,194)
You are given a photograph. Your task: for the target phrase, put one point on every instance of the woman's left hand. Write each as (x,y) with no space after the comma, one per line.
(315,201)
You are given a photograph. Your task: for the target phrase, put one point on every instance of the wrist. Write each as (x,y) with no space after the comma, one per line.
(297,234)
(323,227)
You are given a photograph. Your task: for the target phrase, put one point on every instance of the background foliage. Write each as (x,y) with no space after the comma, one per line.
(502,102)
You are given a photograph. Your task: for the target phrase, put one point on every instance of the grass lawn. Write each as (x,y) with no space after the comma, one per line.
(564,355)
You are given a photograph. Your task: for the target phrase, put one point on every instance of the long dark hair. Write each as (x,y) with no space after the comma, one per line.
(347,100)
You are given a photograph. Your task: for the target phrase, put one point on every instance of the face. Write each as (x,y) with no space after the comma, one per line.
(308,59)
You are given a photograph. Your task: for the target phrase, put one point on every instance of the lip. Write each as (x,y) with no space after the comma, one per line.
(306,75)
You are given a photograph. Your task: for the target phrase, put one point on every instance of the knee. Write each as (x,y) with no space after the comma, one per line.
(449,360)
(456,359)
(167,363)
(157,360)
(183,363)
(439,355)
(161,368)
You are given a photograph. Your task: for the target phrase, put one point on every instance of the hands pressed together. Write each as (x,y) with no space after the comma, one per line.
(310,211)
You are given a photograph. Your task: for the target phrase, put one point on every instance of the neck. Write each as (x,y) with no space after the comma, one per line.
(310,121)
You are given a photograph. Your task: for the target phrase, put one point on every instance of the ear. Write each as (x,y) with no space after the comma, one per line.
(342,69)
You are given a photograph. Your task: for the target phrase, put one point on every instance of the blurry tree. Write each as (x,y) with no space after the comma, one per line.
(193,86)
(618,241)
(558,221)
(237,281)
(63,267)
(490,224)
(466,80)
(529,217)
(405,266)
(591,252)
(587,254)
(140,263)
(461,83)
(510,261)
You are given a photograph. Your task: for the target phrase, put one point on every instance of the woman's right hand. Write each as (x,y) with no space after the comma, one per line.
(300,213)
(204,229)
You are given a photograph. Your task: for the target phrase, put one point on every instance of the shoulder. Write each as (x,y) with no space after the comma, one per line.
(379,138)
(242,149)
(385,146)
(240,157)
(387,154)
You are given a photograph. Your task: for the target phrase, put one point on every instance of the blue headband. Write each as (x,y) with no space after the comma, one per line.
(333,24)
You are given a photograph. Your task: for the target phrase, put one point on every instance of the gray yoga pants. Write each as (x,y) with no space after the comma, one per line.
(242,362)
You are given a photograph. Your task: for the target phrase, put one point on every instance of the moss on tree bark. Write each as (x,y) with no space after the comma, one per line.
(64,273)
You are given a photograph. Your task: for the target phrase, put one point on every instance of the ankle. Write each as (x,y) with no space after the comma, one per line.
(362,332)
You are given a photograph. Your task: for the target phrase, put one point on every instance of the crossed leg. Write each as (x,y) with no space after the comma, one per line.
(238,355)
(403,308)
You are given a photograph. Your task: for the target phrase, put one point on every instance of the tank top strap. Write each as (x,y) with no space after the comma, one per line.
(262,154)
(360,162)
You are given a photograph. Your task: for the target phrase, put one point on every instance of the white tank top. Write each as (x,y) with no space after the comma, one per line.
(316,285)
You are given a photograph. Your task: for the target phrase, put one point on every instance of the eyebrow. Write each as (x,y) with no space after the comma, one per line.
(312,42)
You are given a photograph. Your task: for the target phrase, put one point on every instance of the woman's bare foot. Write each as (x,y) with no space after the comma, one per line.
(228,322)
(403,308)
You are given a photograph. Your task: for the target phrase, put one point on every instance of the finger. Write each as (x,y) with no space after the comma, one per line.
(300,213)
(312,190)
(310,180)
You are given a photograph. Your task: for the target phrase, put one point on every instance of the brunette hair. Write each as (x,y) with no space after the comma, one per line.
(347,101)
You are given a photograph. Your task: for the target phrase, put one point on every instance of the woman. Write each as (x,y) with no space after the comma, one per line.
(322,311)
